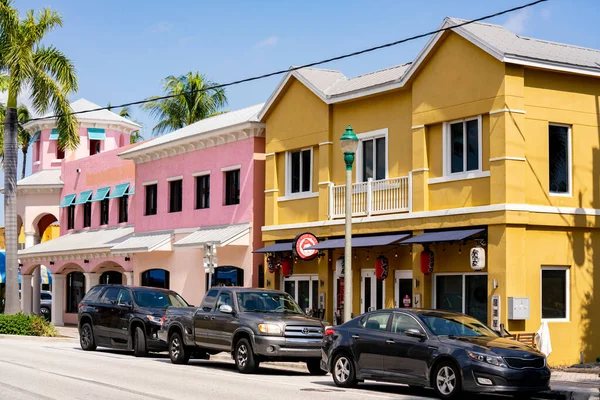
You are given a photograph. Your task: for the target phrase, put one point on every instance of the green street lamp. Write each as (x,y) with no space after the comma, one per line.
(349,145)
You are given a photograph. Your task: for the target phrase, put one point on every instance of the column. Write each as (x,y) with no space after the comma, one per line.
(35,305)
(26,293)
(128,278)
(91,279)
(31,239)
(58,299)
(271,190)
(419,176)
(324,176)
(422,284)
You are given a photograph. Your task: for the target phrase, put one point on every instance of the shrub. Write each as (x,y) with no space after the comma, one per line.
(28,325)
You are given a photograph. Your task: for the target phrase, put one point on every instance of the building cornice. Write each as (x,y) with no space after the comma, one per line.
(123,127)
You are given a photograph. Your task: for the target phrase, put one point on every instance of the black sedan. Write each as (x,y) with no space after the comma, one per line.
(447,351)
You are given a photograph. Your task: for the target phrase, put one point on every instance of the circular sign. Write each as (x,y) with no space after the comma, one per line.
(302,243)
(406,301)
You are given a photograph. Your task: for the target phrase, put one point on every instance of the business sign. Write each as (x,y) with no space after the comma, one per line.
(477,258)
(496,313)
(301,244)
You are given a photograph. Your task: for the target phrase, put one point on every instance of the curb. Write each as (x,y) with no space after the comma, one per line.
(295,366)
(42,338)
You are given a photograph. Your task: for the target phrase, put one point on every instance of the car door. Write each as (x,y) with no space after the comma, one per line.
(106,314)
(222,325)
(406,357)
(202,317)
(122,315)
(368,343)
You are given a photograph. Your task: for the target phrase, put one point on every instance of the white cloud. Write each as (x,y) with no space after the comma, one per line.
(516,23)
(161,27)
(270,41)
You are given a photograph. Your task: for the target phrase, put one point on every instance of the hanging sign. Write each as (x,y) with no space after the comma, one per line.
(339,267)
(381,267)
(477,258)
(287,267)
(427,261)
(301,244)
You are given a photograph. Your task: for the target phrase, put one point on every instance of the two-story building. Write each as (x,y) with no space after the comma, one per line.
(476,185)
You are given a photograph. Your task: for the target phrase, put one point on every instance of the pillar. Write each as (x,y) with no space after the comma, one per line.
(31,239)
(419,176)
(91,279)
(422,284)
(58,299)
(271,190)
(324,176)
(128,278)
(26,294)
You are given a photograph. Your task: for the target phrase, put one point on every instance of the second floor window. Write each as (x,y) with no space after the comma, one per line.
(95,147)
(71,217)
(175,195)
(123,208)
(60,153)
(300,171)
(373,158)
(104,212)
(87,214)
(232,187)
(463,139)
(202,192)
(559,159)
(151,201)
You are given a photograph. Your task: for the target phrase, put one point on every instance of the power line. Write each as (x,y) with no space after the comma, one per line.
(284,71)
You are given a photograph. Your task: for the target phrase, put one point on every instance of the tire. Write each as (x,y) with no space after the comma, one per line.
(314,367)
(139,343)
(178,353)
(344,374)
(244,358)
(86,338)
(45,313)
(446,380)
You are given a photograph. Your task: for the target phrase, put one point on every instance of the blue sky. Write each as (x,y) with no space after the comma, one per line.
(123,49)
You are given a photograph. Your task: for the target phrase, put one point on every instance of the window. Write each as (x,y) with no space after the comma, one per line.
(377,321)
(37,150)
(462,293)
(123,208)
(158,278)
(209,300)
(60,153)
(124,297)
(71,217)
(111,278)
(75,290)
(110,296)
(371,156)
(151,191)
(202,192)
(87,214)
(175,195)
(104,212)
(555,293)
(95,147)
(559,159)
(45,296)
(232,187)
(463,141)
(224,299)
(402,322)
(300,171)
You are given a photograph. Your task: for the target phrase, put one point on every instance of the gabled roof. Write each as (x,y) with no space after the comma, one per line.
(332,86)
(43,178)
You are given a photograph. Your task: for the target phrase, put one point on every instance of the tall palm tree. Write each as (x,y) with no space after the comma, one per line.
(192,105)
(23,136)
(25,62)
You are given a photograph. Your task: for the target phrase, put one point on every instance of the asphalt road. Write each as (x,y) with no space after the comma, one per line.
(43,369)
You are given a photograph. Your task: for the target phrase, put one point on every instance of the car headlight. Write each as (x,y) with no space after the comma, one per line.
(485,358)
(153,319)
(270,328)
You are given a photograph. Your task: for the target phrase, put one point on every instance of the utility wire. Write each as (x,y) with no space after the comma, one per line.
(284,71)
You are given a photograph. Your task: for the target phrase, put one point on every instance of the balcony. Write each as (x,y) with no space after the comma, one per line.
(382,196)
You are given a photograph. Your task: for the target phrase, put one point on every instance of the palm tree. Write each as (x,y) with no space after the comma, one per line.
(125,113)
(23,137)
(191,102)
(25,62)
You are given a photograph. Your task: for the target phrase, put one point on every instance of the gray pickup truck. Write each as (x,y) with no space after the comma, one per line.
(253,325)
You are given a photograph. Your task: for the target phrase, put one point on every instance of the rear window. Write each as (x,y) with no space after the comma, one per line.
(93,295)
(157,299)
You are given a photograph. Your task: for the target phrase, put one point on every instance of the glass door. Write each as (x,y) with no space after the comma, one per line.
(403,285)
(304,289)
(372,291)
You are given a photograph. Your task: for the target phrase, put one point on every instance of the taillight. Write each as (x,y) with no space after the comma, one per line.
(329,332)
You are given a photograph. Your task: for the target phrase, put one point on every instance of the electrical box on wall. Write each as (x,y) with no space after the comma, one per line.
(518,308)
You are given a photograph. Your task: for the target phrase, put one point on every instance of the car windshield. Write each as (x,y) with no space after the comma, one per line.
(267,302)
(157,299)
(456,325)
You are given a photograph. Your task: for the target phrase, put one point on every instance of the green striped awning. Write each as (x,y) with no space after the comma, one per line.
(101,194)
(67,200)
(84,197)
(119,191)
(53,134)
(96,134)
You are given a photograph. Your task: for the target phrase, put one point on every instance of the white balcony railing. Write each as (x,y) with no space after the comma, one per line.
(372,197)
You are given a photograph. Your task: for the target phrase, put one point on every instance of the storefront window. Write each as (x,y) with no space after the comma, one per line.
(158,278)
(111,278)
(464,293)
(75,290)
(555,293)
(227,276)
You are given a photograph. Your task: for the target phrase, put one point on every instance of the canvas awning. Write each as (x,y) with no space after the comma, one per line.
(236,235)
(96,134)
(443,236)
(364,241)
(67,200)
(119,191)
(276,248)
(144,242)
(53,135)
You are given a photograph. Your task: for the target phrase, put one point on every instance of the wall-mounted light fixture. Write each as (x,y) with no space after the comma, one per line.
(268,282)
(494,283)
(86,261)
(321,283)
(51,262)
(127,259)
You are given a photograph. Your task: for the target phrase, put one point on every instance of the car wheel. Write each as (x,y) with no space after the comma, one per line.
(139,343)
(447,382)
(314,367)
(177,351)
(245,360)
(86,338)
(45,313)
(343,372)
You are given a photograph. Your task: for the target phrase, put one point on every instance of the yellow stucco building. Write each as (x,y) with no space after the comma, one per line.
(487,140)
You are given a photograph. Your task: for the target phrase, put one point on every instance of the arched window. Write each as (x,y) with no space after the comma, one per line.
(227,276)
(75,290)
(158,278)
(122,140)
(111,278)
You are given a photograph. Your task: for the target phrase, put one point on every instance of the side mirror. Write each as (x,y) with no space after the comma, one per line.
(125,304)
(225,309)
(415,333)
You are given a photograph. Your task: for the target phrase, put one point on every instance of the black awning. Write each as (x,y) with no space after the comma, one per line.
(275,248)
(443,236)
(365,241)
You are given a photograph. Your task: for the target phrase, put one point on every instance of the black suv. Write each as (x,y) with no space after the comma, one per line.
(124,317)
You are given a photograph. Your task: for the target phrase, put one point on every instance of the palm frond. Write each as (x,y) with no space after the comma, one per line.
(57,65)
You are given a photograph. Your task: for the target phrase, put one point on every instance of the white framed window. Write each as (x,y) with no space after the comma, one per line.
(465,293)
(299,171)
(462,147)
(372,155)
(556,294)
(304,289)
(560,164)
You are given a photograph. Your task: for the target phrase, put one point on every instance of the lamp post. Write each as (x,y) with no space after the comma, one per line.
(349,144)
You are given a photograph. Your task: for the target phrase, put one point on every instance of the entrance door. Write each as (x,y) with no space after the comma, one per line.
(403,289)
(338,301)
(463,293)
(304,289)
(372,291)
